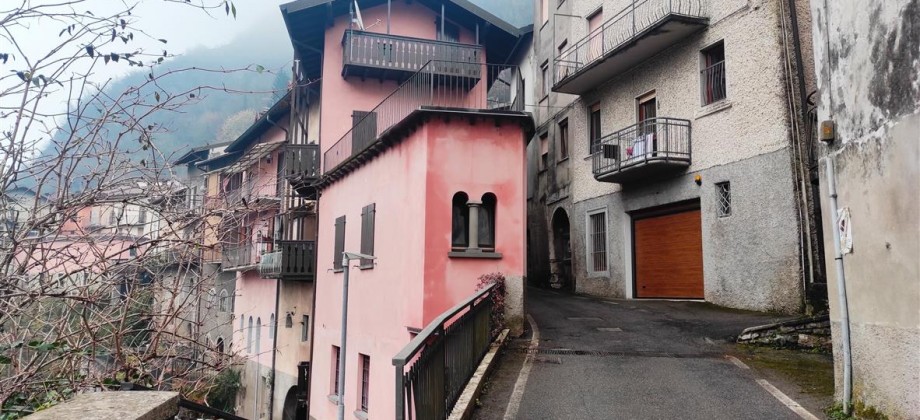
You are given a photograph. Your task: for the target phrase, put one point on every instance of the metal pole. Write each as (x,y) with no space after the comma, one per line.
(343,340)
(841,290)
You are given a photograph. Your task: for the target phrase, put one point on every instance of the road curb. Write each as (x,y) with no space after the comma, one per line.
(467,401)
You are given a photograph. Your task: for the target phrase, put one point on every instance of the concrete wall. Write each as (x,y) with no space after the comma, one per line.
(744,139)
(868,60)
(296,299)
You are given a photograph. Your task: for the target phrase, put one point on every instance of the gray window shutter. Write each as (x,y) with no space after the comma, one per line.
(367,233)
(364,130)
(339,243)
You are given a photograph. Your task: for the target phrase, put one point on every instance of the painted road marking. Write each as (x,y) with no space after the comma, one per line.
(737,362)
(609,329)
(789,402)
(514,403)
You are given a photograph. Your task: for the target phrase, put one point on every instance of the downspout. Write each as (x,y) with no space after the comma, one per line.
(841,290)
(271,387)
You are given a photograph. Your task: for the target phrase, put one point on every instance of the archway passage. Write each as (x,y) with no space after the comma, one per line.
(292,408)
(561,263)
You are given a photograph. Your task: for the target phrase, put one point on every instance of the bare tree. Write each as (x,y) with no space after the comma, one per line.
(100,254)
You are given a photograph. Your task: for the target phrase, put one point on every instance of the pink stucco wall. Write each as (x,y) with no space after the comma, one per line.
(414,280)
(340,96)
(475,159)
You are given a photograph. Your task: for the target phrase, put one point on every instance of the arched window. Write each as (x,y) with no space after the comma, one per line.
(220,345)
(460,221)
(188,329)
(271,327)
(224,301)
(289,321)
(212,296)
(258,334)
(487,221)
(249,336)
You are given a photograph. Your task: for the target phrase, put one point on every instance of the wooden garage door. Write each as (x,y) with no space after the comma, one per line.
(669,256)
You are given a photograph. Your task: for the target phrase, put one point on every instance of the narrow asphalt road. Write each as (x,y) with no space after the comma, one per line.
(628,359)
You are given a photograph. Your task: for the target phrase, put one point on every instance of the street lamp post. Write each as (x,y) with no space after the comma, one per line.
(346,257)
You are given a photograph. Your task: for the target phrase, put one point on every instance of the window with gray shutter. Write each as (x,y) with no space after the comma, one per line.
(364,130)
(367,234)
(339,244)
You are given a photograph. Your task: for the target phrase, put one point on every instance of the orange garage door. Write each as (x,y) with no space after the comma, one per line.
(669,256)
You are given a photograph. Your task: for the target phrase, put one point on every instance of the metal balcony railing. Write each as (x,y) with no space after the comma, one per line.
(294,260)
(236,256)
(712,83)
(371,54)
(433,369)
(640,149)
(437,85)
(623,28)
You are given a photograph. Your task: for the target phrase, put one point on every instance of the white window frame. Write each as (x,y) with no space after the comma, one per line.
(589,252)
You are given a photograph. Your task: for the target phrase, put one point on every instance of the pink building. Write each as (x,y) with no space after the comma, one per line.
(424,165)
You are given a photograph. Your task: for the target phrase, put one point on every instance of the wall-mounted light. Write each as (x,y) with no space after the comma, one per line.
(698,180)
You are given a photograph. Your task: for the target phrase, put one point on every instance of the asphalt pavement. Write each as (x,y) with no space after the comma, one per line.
(629,359)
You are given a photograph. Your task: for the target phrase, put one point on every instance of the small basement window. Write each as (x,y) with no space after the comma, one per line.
(724,197)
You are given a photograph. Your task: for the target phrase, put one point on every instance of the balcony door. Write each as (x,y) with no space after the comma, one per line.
(645,142)
(595,36)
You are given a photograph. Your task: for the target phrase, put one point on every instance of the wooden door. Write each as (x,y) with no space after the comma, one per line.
(669,256)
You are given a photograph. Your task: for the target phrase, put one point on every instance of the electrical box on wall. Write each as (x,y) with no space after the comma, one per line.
(828,131)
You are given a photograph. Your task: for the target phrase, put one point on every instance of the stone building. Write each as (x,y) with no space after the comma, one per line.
(868,59)
(670,157)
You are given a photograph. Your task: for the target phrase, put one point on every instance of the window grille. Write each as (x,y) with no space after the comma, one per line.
(724,194)
(598,241)
(365,380)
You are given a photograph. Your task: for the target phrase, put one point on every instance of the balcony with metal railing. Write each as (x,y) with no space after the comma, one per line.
(633,35)
(292,260)
(651,148)
(238,256)
(393,57)
(302,167)
(495,89)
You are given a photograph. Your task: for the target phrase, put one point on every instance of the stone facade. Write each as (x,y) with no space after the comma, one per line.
(868,61)
(754,259)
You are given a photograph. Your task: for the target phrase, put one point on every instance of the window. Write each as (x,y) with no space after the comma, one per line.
(564,139)
(595,35)
(365,380)
(339,244)
(449,33)
(258,334)
(487,222)
(544,151)
(544,11)
(289,321)
(712,74)
(271,327)
(597,241)
(724,194)
(142,216)
(460,221)
(562,45)
(305,328)
(224,302)
(336,354)
(544,73)
(220,345)
(249,336)
(367,234)
(594,127)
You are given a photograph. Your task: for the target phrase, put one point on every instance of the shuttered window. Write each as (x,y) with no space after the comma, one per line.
(364,130)
(339,244)
(367,234)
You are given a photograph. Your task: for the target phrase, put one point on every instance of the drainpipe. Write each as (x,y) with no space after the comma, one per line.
(274,332)
(841,290)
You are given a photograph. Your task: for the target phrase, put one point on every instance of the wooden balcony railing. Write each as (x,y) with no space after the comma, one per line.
(370,54)
(292,260)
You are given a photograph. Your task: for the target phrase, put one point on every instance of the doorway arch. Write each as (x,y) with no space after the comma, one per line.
(291,409)
(561,263)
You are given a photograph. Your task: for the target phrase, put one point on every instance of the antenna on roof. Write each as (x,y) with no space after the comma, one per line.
(357,18)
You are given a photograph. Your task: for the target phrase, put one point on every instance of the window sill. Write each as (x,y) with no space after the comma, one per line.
(475,254)
(361,414)
(338,270)
(366,267)
(713,108)
(565,159)
(333,398)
